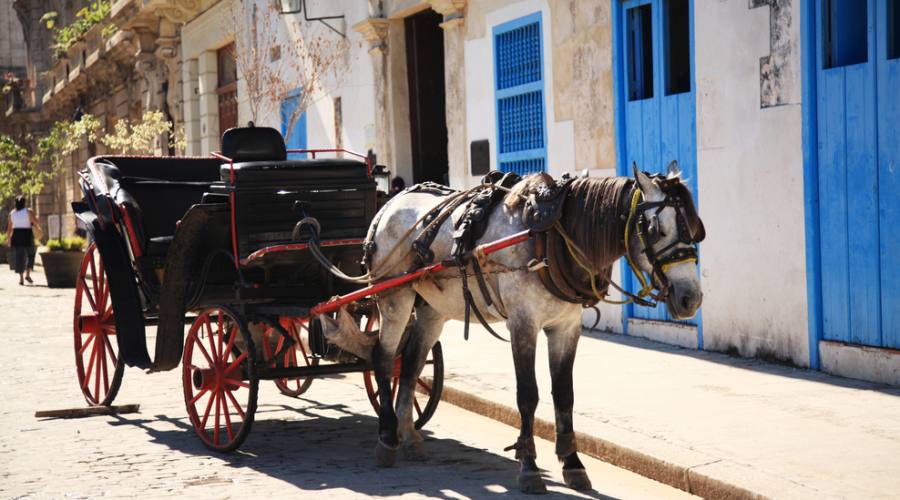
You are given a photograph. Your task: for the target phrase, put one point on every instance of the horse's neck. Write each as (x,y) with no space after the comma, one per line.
(609,215)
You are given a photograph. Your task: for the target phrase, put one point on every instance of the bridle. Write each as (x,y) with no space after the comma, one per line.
(646,228)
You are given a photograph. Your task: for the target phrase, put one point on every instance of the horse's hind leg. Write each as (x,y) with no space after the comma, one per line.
(395,309)
(421,338)
(523,335)
(561,345)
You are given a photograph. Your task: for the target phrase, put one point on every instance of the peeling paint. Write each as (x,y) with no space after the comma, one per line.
(776,87)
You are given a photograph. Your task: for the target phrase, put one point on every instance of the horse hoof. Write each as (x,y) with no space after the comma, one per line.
(414,451)
(577,479)
(385,455)
(532,483)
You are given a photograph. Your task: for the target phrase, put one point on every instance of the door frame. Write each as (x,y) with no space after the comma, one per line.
(808,99)
(619,103)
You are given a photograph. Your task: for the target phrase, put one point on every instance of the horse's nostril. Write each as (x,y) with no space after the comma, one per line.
(687,300)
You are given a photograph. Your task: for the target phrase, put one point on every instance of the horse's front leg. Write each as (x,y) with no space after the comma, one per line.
(421,338)
(395,310)
(523,335)
(562,342)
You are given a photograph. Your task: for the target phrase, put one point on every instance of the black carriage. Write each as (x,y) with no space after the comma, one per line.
(211,243)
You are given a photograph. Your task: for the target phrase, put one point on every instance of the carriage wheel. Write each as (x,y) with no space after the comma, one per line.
(428,386)
(219,379)
(297,356)
(97,361)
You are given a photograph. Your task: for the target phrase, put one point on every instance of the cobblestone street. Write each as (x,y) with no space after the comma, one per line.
(320,445)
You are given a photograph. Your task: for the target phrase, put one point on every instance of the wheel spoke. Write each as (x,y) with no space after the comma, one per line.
(236,363)
(216,431)
(228,347)
(87,293)
(90,368)
(205,354)
(227,415)
(94,279)
(416,405)
(220,334)
(236,405)
(112,354)
(206,412)
(209,339)
(200,394)
(424,385)
(239,383)
(86,343)
(303,352)
(105,373)
(97,372)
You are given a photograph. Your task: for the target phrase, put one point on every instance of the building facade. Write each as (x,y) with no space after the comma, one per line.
(780,114)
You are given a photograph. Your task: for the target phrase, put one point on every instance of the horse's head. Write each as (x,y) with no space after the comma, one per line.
(664,230)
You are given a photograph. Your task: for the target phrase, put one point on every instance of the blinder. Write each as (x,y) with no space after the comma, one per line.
(689,226)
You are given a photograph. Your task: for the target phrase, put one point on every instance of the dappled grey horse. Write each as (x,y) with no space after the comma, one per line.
(662,228)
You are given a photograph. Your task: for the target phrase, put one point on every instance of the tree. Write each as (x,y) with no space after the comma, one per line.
(275,57)
(143,137)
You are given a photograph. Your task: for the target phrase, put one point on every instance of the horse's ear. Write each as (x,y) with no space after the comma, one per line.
(646,184)
(673,171)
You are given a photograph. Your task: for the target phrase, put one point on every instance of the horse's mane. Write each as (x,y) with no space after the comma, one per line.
(591,215)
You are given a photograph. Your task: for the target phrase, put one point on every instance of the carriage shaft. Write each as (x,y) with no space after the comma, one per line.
(485,249)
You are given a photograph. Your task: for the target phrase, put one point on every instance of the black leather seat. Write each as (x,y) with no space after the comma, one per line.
(331,169)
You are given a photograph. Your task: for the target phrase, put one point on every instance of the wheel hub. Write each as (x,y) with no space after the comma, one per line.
(89,323)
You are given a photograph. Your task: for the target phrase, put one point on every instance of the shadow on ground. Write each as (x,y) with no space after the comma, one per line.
(317,453)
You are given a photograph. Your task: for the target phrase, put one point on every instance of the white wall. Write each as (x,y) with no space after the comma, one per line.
(355,87)
(480,113)
(750,181)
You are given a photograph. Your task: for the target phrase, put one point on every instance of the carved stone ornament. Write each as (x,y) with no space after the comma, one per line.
(375,31)
(450,9)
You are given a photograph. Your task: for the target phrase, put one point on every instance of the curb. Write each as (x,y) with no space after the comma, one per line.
(675,475)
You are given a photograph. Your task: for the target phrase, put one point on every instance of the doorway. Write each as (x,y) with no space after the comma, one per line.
(427,103)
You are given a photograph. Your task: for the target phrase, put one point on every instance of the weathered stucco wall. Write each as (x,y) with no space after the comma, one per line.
(750,178)
(582,78)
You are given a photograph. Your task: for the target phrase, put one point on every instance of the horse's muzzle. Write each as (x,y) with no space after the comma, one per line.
(684,305)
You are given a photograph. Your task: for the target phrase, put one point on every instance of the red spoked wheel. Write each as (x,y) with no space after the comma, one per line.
(97,362)
(429,385)
(298,355)
(219,379)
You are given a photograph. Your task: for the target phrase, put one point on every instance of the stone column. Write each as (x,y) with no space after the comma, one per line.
(455,88)
(191,106)
(375,31)
(208,79)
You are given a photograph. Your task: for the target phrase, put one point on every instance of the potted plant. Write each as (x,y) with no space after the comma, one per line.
(4,250)
(62,261)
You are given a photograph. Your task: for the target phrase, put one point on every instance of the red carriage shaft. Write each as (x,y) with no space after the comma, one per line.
(486,249)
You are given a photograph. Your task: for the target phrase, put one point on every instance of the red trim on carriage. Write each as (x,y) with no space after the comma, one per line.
(132,235)
(485,249)
(295,247)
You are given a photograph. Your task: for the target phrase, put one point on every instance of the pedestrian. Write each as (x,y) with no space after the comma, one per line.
(20,232)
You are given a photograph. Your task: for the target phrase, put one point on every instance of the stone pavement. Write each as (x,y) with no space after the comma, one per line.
(318,446)
(705,422)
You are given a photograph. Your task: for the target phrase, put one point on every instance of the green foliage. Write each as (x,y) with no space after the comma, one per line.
(3,239)
(26,171)
(85,19)
(71,244)
(142,137)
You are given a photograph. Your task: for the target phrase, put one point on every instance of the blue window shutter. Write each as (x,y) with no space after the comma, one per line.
(297,139)
(519,93)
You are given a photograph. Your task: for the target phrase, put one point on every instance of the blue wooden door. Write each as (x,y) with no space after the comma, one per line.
(296,139)
(654,49)
(857,117)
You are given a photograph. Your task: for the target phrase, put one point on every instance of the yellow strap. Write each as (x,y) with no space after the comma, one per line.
(646,288)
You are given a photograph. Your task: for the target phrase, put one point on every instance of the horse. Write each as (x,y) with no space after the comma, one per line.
(662,227)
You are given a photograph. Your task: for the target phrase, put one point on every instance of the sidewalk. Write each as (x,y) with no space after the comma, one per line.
(711,424)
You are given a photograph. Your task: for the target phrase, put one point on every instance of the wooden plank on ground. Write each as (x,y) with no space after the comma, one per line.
(87,412)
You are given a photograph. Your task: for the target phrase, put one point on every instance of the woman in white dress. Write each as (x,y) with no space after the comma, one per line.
(21,238)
